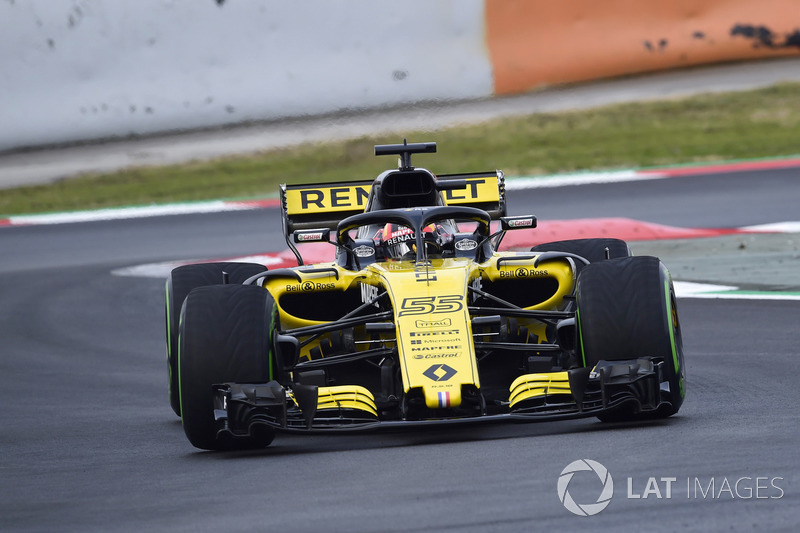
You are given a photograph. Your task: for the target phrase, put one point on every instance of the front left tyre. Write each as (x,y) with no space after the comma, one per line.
(225,336)
(626,310)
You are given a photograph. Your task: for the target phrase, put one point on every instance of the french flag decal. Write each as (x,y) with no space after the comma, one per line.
(444,399)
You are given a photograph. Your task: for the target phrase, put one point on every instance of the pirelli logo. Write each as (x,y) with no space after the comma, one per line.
(302,199)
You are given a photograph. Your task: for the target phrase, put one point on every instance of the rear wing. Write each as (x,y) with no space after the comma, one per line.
(484,190)
(323,205)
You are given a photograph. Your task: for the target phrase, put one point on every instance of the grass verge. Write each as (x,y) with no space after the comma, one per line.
(705,128)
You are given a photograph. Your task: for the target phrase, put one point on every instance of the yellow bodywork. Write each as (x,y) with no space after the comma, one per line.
(539,386)
(433,326)
(345,397)
(430,302)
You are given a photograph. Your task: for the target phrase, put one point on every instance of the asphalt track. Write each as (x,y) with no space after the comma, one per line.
(89,441)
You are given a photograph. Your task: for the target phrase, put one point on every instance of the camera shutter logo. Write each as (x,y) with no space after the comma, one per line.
(585,509)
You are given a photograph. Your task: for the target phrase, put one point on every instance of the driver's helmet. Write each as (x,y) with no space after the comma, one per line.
(399,242)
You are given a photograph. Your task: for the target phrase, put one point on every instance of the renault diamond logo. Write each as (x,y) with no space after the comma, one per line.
(439,373)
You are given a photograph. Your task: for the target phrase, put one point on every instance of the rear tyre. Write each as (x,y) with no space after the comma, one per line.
(179,283)
(627,309)
(225,336)
(592,249)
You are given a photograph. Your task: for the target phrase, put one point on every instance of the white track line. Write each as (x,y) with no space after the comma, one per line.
(129,212)
(580,178)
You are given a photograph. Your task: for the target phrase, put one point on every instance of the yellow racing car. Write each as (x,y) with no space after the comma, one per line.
(418,319)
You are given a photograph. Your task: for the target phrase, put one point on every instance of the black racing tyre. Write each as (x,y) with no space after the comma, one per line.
(179,283)
(225,336)
(626,310)
(592,249)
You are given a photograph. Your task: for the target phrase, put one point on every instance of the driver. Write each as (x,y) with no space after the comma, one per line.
(399,242)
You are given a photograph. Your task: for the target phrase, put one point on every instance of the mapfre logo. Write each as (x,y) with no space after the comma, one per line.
(567,478)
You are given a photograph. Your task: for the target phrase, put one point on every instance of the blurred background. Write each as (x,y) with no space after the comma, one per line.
(84,70)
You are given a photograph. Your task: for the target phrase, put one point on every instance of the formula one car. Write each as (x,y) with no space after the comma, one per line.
(419,319)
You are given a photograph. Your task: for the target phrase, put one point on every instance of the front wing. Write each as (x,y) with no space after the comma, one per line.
(241,409)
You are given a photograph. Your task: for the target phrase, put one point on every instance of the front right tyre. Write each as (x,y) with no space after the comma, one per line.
(225,335)
(179,283)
